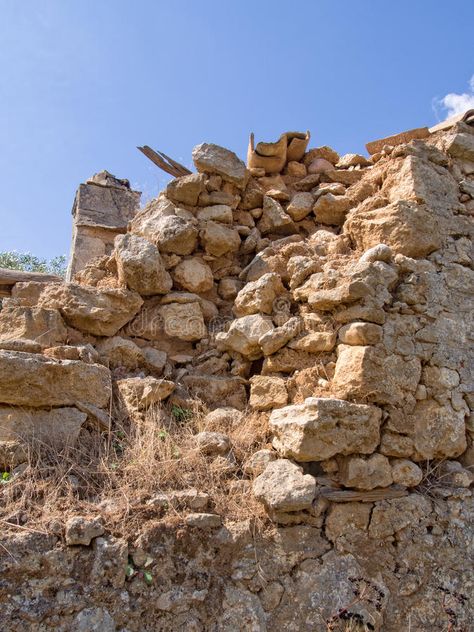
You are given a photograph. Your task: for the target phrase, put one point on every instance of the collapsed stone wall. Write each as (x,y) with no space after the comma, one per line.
(334,297)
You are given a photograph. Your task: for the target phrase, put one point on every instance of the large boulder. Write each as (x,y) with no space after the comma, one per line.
(33,380)
(140,266)
(98,312)
(44,326)
(210,158)
(283,487)
(323,427)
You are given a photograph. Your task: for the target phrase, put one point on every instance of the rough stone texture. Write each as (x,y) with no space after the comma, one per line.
(259,296)
(321,428)
(219,239)
(194,275)
(375,471)
(183,320)
(397,139)
(140,266)
(81,531)
(33,380)
(210,158)
(267,393)
(351,545)
(244,335)
(44,326)
(58,426)
(186,189)
(102,208)
(282,486)
(101,313)
(138,393)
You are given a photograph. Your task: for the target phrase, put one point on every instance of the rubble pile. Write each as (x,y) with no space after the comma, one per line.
(332,294)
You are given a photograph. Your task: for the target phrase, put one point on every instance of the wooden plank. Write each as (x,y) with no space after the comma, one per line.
(10,277)
(159,159)
(351,495)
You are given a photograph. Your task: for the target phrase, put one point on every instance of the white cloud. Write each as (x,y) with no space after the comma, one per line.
(455,103)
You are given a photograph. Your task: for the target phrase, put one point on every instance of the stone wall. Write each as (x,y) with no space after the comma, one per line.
(334,298)
(102,208)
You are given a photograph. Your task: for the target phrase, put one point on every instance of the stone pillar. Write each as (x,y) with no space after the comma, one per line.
(103,206)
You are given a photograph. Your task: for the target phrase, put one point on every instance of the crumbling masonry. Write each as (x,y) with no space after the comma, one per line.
(332,295)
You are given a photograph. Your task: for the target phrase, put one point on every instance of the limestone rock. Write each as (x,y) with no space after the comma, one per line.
(216,213)
(380,252)
(117,351)
(323,427)
(81,531)
(391,516)
(138,393)
(33,380)
(218,239)
(365,474)
(204,520)
(99,312)
(437,431)
(194,275)
(44,326)
(397,139)
(408,228)
(300,206)
(259,460)
(244,334)
(276,338)
(267,392)
(315,342)
(139,265)
(367,372)
(282,486)
(209,158)
(259,296)
(461,146)
(183,320)
(405,472)
(212,443)
(175,235)
(360,333)
(57,427)
(223,417)
(331,209)
(186,189)
(352,160)
(217,391)
(346,519)
(274,219)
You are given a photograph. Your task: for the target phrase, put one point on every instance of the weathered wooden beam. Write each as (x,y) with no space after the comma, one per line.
(350,495)
(10,277)
(164,162)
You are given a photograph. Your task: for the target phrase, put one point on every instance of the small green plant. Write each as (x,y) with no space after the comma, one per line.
(181,414)
(5,477)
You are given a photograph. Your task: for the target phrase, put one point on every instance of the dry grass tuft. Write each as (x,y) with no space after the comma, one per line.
(116,473)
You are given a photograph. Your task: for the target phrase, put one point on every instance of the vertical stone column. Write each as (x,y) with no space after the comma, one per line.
(103,206)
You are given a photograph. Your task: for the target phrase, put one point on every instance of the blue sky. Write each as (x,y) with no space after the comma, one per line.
(82,83)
